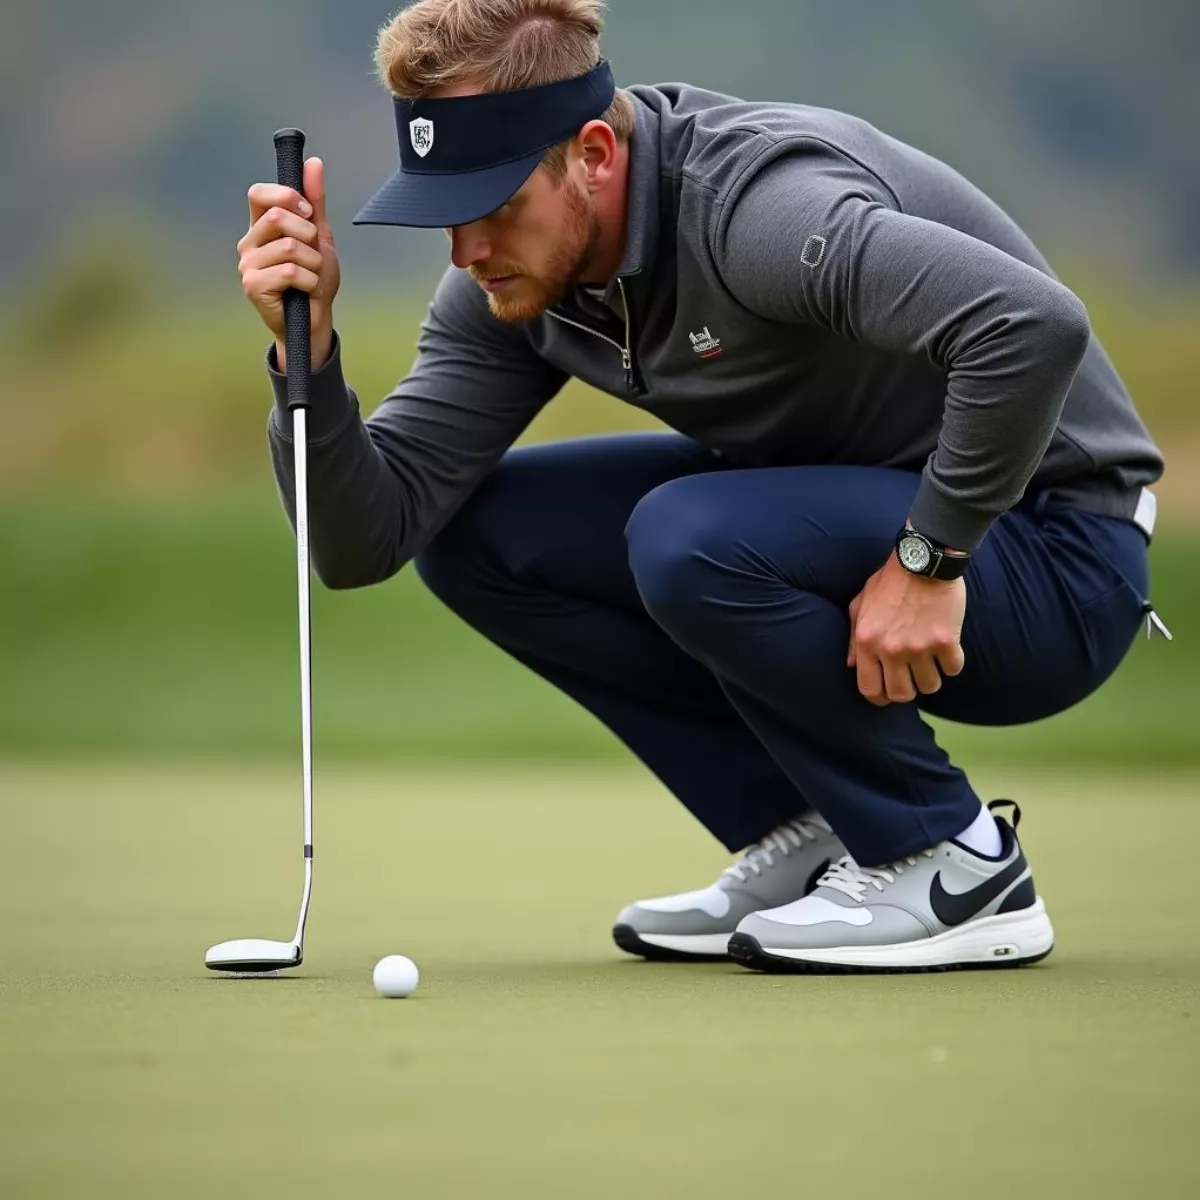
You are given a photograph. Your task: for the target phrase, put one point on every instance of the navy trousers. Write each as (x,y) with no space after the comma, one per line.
(700,612)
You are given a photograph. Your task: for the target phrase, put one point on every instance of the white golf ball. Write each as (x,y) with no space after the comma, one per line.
(396,976)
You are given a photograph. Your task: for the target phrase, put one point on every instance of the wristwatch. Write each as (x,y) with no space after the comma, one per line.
(919,555)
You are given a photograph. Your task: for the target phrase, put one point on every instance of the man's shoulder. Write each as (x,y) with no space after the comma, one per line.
(709,139)
(709,110)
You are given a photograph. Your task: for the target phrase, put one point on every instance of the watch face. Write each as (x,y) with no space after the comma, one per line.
(915,554)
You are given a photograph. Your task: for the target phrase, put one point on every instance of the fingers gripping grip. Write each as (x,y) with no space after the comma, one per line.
(289,157)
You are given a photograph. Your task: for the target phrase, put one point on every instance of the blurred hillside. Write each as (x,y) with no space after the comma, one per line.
(153,117)
(131,130)
(147,601)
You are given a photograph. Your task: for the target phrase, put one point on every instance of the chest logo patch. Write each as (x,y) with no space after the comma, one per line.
(705,344)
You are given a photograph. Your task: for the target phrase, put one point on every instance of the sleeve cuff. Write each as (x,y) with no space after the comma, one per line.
(948,522)
(332,400)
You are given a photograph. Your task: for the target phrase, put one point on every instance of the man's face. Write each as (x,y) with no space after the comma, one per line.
(528,252)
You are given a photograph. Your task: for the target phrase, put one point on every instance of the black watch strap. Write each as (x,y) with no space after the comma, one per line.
(922,556)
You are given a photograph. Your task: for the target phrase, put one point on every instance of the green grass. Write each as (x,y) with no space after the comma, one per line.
(535,1061)
(166,626)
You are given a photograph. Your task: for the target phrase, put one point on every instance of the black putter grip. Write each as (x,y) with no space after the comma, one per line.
(289,157)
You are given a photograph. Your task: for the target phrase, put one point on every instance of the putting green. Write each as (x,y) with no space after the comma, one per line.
(535,1060)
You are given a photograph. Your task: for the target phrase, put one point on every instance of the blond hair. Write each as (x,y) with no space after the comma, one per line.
(498,46)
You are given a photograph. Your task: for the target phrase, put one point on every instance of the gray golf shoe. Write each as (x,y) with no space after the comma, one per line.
(942,909)
(696,925)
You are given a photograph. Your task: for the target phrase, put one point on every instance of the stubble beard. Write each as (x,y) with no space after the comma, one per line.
(532,295)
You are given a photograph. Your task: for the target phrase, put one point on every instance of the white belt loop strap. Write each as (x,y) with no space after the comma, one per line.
(1147,512)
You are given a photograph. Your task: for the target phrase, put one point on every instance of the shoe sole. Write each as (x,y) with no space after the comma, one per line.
(991,943)
(669,947)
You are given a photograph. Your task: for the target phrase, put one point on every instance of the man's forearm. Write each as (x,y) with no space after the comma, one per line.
(381,489)
(361,522)
(1003,403)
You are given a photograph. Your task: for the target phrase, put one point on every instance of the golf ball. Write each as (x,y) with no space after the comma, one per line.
(396,976)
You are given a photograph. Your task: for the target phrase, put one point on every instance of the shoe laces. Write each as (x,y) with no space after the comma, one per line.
(847,877)
(782,840)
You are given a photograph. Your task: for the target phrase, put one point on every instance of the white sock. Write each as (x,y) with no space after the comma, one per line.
(982,835)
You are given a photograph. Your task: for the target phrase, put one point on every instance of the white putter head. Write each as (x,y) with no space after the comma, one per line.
(253,955)
(257,956)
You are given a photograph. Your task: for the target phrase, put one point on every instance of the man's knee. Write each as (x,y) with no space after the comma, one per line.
(681,554)
(447,565)
(492,533)
(455,563)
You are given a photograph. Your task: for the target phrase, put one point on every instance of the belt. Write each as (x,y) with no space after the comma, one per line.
(1137,505)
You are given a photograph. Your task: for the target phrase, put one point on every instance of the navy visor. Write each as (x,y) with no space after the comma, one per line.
(463,157)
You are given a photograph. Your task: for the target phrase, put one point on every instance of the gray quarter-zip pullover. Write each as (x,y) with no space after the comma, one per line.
(797,288)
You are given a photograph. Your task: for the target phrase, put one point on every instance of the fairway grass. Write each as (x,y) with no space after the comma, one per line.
(535,1060)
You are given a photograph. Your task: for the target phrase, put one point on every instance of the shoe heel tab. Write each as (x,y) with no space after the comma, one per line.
(1015,819)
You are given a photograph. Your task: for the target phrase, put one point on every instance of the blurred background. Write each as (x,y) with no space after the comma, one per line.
(146,570)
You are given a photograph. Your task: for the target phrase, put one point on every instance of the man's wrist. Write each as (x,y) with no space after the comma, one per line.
(924,558)
(920,582)
(321,348)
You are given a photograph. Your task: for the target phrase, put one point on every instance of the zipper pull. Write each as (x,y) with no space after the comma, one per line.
(627,349)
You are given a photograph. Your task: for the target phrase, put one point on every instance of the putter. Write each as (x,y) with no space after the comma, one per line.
(260,955)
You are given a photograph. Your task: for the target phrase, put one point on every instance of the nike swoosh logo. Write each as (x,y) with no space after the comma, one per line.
(953,908)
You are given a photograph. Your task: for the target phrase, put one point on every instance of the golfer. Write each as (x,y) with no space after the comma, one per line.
(901,478)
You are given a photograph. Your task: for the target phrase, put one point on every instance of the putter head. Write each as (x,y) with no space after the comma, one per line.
(253,955)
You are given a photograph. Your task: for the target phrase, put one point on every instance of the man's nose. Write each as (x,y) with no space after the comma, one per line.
(468,245)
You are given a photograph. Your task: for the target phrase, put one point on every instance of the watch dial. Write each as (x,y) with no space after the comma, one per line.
(914,554)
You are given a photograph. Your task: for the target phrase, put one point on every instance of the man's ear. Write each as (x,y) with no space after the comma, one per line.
(598,147)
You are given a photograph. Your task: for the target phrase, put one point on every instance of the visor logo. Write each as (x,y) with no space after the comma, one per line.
(421,133)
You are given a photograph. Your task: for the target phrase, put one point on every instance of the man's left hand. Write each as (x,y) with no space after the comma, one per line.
(905,634)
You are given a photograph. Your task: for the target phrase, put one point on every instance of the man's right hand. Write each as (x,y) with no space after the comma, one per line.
(289,244)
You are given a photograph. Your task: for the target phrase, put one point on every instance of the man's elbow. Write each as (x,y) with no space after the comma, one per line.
(1067,323)
(347,574)
(341,579)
